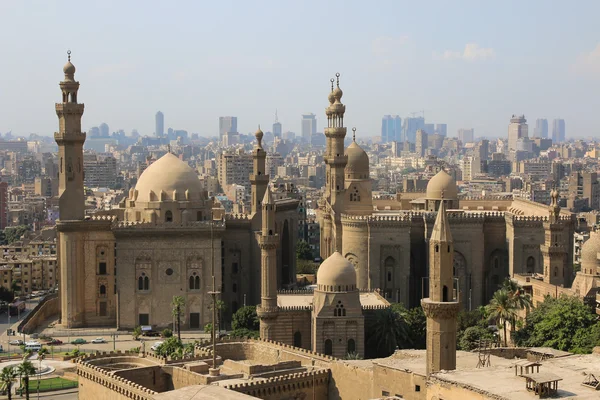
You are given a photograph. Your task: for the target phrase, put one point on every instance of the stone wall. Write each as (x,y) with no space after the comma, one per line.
(49,307)
(180,377)
(149,377)
(301,385)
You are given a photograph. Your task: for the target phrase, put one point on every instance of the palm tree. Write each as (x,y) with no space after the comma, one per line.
(502,308)
(26,369)
(178,303)
(387,332)
(7,377)
(520,299)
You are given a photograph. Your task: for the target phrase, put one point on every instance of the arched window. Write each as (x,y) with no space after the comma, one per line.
(555,271)
(530,265)
(437,248)
(102,290)
(445,293)
(197,283)
(168,216)
(328,347)
(297,339)
(146,283)
(191,283)
(140,283)
(351,346)
(199,216)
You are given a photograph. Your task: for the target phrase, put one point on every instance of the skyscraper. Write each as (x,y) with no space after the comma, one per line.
(466,135)
(159,124)
(441,129)
(558,130)
(516,129)
(429,128)
(421,144)
(410,127)
(226,125)
(391,128)
(104,131)
(277,127)
(309,127)
(541,128)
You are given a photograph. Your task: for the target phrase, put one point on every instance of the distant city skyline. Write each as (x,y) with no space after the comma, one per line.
(479,71)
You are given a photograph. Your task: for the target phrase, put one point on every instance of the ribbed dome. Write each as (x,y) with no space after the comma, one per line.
(168,174)
(589,252)
(336,272)
(442,183)
(358,161)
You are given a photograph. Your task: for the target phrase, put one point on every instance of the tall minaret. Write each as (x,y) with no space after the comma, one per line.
(335,160)
(268,241)
(70,148)
(441,308)
(71,225)
(554,251)
(259,179)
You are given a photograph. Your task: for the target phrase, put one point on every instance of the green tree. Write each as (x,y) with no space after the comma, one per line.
(245,318)
(6,295)
(14,233)
(137,332)
(8,377)
(167,333)
(586,339)
(469,340)
(170,347)
(556,323)
(416,325)
(244,333)
(518,297)
(15,286)
(303,251)
(386,333)
(26,369)
(502,309)
(305,266)
(208,328)
(178,305)
(221,307)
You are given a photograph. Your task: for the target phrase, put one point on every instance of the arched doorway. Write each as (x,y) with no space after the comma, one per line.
(389,267)
(530,265)
(497,271)
(285,254)
(351,346)
(297,339)
(328,347)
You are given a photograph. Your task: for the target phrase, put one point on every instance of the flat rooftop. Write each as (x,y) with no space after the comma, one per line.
(499,379)
(369,299)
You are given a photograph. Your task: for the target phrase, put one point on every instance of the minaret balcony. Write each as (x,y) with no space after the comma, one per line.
(266,312)
(69,108)
(336,160)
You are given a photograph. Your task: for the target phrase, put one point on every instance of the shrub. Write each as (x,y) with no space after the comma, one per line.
(167,333)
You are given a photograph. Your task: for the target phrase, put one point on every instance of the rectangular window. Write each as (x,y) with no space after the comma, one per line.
(102,268)
(234,268)
(417,388)
(102,309)
(385,393)
(194,320)
(144,319)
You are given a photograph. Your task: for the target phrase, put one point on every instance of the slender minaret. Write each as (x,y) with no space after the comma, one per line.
(70,148)
(259,179)
(71,225)
(268,241)
(441,308)
(335,161)
(554,251)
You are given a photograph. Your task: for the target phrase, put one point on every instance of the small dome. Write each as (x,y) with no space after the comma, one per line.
(168,174)
(442,183)
(358,160)
(337,94)
(336,271)
(589,252)
(69,69)
(259,135)
(331,97)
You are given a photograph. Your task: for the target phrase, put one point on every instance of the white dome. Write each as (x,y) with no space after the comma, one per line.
(358,161)
(442,185)
(589,252)
(168,174)
(336,274)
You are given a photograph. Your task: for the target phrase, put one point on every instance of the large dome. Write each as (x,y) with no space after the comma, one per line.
(336,274)
(589,253)
(358,161)
(442,184)
(168,174)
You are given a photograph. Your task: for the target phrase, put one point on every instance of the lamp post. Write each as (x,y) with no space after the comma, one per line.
(214,371)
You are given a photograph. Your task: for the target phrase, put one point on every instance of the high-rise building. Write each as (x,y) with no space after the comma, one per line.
(159,124)
(441,129)
(226,125)
(429,128)
(391,128)
(558,130)
(466,135)
(276,127)
(421,144)
(3,205)
(410,127)
(516,129)
(541,128)
(309,127)
(585,185)
(104,131)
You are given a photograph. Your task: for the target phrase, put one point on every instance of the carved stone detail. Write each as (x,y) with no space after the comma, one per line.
(440,310)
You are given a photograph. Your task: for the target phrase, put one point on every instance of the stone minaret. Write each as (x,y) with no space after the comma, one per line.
(554,250)
(259,179)
(441,308)
(335,162)
(268,240)
(71,225)
(70,148)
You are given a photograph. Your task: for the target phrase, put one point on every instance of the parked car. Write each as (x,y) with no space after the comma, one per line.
(17,342)
(99,340)
(34,336)
(79,341)
(155,346)
(54,342)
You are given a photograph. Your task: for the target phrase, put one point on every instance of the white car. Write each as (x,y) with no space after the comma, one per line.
(99,340)
(155,346)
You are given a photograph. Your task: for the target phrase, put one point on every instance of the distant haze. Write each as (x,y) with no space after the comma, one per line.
(469,64)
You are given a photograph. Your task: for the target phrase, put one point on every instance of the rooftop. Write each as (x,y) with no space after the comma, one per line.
(367,299)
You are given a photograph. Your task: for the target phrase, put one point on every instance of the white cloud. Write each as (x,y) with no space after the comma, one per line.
(588,63)
(472,52)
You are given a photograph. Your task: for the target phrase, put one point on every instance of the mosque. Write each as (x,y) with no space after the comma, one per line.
(167,238)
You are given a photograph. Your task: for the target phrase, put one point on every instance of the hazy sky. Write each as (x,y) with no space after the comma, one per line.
(466,63)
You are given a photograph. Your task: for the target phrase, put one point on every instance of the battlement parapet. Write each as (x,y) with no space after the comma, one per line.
(282,383)
(142,225)
(237,217)
(296,308)
(296,291)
